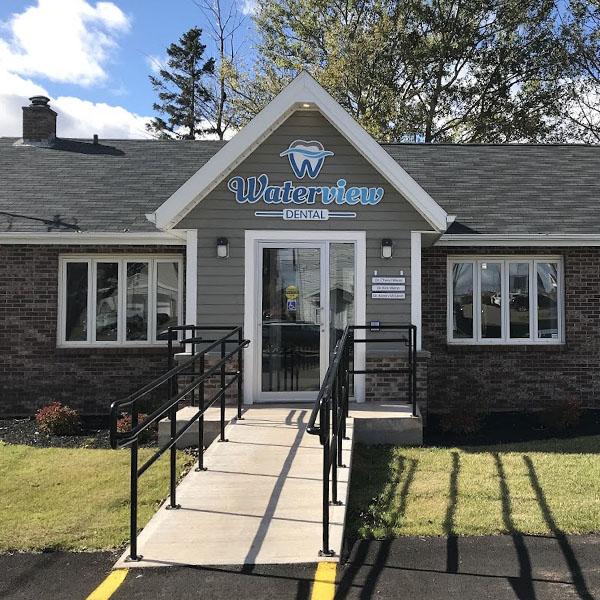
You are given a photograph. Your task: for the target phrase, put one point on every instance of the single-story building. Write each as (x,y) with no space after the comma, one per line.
(299,225)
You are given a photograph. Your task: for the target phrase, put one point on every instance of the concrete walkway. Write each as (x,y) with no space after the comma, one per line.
(259,502)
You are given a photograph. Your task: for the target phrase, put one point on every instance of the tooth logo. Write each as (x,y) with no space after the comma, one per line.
(306,158)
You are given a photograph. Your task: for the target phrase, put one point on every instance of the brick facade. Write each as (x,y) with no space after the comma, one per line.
(33,371)
(383,387)
(516,378)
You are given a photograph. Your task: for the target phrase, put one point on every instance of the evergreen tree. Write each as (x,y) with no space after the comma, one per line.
(181,89)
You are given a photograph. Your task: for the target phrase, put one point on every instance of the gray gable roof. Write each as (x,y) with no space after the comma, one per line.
(504,189)
(509,189)
(105,187)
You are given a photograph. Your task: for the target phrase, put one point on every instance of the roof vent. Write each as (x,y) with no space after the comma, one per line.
(39,121)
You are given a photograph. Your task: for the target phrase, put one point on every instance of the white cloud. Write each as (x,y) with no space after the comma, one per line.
(76,117)
(67,41)
(63,40)
(82,118)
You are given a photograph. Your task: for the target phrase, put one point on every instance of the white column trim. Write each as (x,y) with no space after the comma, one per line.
(191,277)
(415,283)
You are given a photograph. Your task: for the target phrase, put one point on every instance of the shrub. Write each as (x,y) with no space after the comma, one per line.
(124,426)
(562,416)
(57,419)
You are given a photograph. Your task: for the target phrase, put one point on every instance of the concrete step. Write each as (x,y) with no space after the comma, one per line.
(212,425)
(386,423)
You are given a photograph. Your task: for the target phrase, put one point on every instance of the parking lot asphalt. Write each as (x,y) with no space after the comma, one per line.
(467,568)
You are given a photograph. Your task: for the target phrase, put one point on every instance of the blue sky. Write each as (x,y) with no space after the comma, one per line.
(92,58)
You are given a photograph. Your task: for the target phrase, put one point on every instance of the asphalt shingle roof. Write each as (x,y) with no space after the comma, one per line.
(507,189)
(105,187)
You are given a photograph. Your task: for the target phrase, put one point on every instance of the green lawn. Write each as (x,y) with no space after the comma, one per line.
(541,487)
(73,499)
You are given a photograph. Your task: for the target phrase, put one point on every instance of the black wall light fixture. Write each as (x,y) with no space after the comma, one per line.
(222,247)
(387,248)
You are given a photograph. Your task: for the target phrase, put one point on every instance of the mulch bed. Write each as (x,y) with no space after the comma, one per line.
(25,431)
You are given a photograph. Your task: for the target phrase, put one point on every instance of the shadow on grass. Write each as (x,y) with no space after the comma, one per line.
(394,500)
(378,500)
(452,559)
(561,538)
(523,585)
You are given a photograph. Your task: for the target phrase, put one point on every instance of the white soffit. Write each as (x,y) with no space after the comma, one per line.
(303,90)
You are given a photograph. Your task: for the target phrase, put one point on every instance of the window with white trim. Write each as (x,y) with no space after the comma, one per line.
(512,300)
(118,300)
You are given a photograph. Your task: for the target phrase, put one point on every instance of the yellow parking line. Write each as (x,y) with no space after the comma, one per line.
(324,585)
(109,586)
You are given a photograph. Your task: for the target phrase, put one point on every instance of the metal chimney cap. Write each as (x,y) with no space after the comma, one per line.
(39,100)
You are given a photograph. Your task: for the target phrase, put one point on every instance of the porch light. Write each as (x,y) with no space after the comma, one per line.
(222,247)
(386,248)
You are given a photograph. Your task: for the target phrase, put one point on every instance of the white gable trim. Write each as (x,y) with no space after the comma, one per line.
(302,93)
(98,238)
(525,239)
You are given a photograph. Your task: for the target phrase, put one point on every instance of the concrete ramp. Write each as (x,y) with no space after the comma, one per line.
(259,502)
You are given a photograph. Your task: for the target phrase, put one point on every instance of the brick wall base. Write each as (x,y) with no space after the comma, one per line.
(382,387)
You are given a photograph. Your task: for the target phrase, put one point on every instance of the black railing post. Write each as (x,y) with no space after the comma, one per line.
(201,466)
(333,456)
(240,375)
(222,438)
(173,451)
(325,432)
(133,554)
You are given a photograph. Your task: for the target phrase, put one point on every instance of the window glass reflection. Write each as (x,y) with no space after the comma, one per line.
(518,283)
(491,300)
(291,318)
(462,311)
(341,290)
(107,301)
(77,300)
(547,300)
(137,301)
(167,287)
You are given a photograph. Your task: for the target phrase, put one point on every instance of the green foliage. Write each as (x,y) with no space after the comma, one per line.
(57,419)
(491,71)
(182,90)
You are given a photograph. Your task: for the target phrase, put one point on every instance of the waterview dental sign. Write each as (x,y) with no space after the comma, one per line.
(306,160)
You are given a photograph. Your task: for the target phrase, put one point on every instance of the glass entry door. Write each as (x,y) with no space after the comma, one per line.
(306,300)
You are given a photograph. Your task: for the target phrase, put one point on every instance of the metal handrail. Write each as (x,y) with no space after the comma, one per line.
(194,369)
(331,405)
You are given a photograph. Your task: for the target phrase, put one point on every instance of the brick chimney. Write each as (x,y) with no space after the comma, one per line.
(39,121)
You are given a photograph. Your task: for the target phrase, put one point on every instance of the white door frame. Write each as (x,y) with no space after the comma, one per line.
(253,238)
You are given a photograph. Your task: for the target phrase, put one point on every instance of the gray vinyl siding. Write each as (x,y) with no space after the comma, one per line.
(221,281)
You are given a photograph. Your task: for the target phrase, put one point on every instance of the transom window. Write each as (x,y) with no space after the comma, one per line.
(118,300)
(512,300)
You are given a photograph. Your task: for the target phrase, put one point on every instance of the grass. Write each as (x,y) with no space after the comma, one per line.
(540,487)
(73,499)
